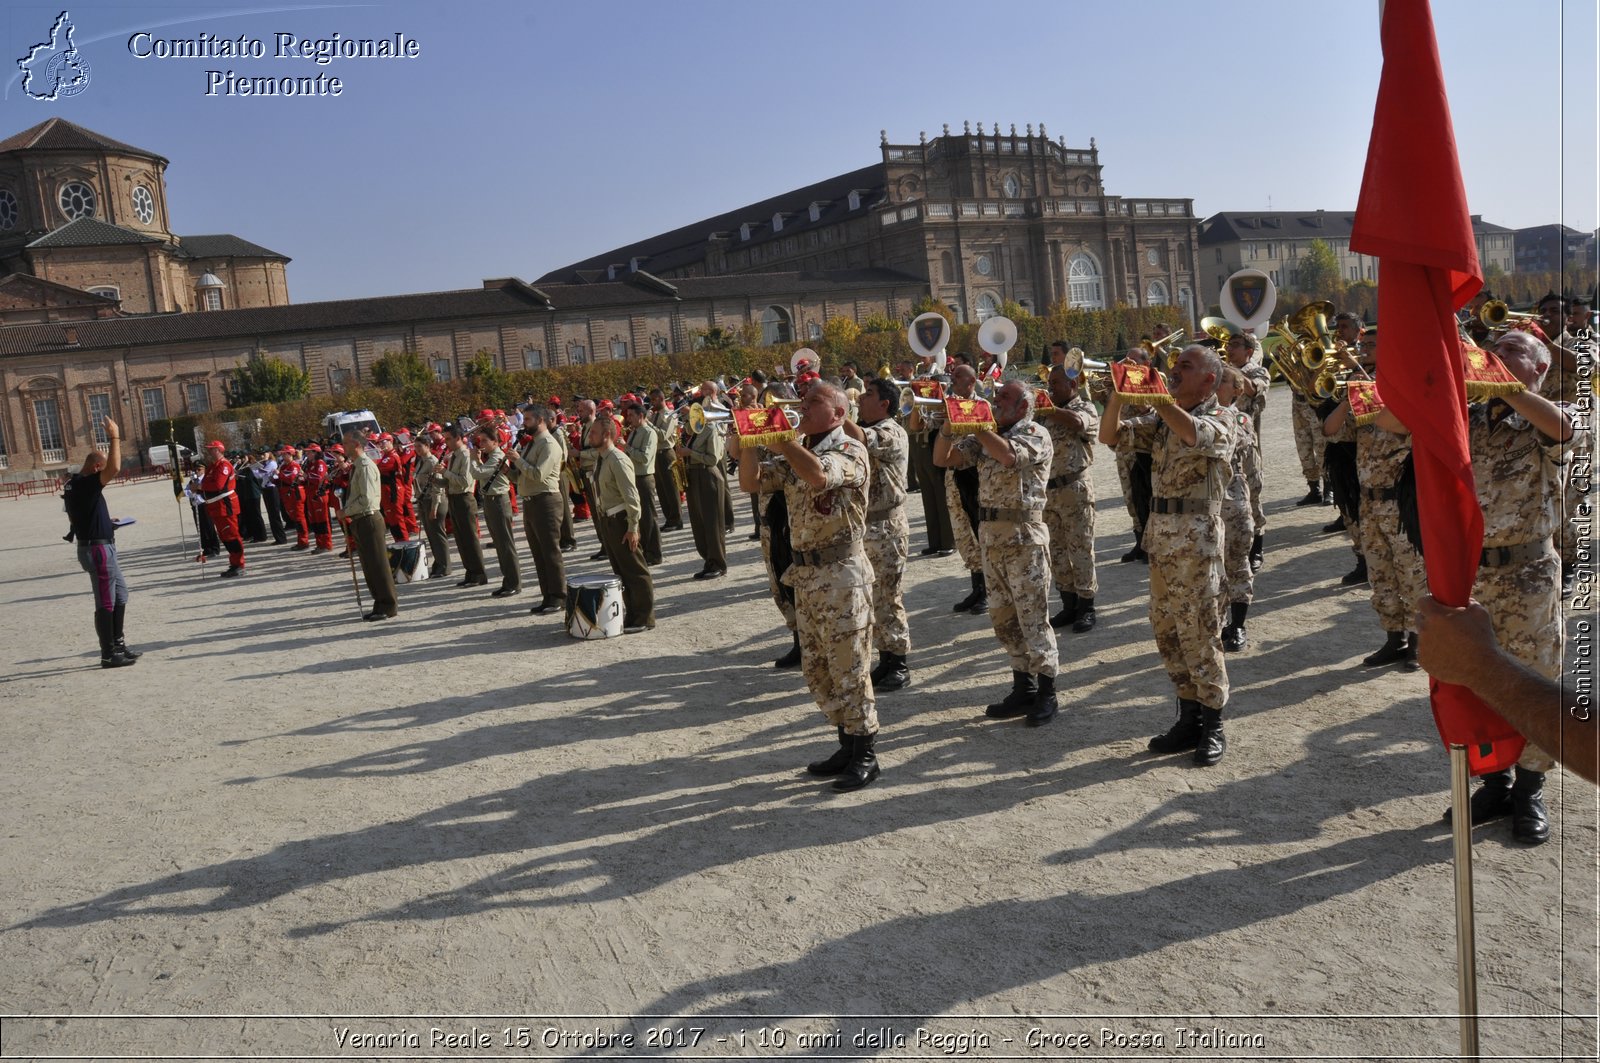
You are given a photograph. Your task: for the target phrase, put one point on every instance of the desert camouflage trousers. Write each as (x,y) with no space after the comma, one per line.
(1069,514)
(1185,580)
(1524,604)
(1238,531)
(887,544)
(833,610)
(1018,579)
(1308,439)
(1125,460)
(1395,568)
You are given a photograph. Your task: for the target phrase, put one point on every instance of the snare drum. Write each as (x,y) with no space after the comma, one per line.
(594,607)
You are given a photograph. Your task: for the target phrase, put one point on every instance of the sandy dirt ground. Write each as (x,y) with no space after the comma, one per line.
(462,833)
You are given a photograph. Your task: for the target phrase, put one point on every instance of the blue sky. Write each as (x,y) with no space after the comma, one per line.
(529,135)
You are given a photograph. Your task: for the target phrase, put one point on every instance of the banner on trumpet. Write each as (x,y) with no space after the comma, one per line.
(968,416)
(765,426)
(1142,384)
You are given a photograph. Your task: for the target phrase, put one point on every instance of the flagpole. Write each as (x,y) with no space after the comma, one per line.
(1466,944)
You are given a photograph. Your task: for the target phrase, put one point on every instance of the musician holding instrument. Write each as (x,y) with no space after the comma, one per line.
(1243,352)
(1013,465)
(492,469)
(1133,472)
(432,505)
(669,468)
(961,499)
(643,445)
(218,492)
(1394,567)
(921,425)
(1340,472)
(539,485)
(617,520)
(1238,526)
(458,486)
(708,491)
(362,507)
(1189,440)
(888,533)
(1520,443)
(823,473)
(1069,498)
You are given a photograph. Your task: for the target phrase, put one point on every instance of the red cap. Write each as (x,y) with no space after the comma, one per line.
(216,443)
(806,377)
(386,438)
(555,400)
(312,449)
(484,415)
(337,448)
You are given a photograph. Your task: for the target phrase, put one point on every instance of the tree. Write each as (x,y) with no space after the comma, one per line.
(489,383)
(839,335)
(401,369)
(266,379)
(1319,272)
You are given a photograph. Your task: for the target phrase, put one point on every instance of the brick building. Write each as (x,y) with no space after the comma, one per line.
(980,217)
(1275,241)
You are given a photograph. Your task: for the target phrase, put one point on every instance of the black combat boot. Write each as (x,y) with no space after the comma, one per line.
(1490,801)
(836,763)
(1336,525)
(117,642)
(1313,496)
(109,657)
(981,605)
(1213,743)
(1256,560)
(1412,664)
(1530,824)
(863,765)
(1044,706)
(965,604)
(1185,734)
(1137,553)
(897,675)
(1392,651)
(1069,610)
(1085,621)
(1023,691)
(879,668)
(1357,575)
(792,658)
(1233,636)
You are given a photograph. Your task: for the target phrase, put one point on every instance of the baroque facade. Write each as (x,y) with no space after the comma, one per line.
(982,217)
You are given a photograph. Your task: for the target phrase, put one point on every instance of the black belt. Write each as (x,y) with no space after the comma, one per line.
(1184,505)
(826,556)
(100,542)
(1064,479)
(1014,516)
(1380,494)
(1502,556)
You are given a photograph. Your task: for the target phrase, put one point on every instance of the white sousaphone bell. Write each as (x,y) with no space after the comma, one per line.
(996,336)
(803,360)
(928,334)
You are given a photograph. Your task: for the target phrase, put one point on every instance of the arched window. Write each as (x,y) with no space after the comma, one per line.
(1186,300)
(775,326)
(1084,286)
(988,306)
(1156,294)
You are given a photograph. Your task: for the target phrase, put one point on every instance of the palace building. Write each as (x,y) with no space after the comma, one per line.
(982,217)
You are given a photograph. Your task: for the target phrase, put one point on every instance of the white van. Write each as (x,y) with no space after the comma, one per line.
(335,425)
(160,457)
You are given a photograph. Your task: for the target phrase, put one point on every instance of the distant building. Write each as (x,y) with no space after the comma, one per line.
(1551,248)
(981,217)
(1276,241)
(80,209)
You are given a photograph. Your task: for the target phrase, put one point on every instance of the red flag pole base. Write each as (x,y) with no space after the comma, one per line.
(1466,943)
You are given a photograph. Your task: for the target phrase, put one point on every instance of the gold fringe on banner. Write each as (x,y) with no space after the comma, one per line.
(1482,390)
(1145,398)
(971,428)
(767,439)
(1367,418)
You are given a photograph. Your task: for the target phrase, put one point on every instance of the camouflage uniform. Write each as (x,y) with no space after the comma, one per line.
(781,600)
(1016,543)
(832,586)
(1518,472)
(1127,454)
(1577,526)
(888,535)
(1308,440)
(1238,526)
(1261,380)
(1069,505)
(1186,548)
(1393,564)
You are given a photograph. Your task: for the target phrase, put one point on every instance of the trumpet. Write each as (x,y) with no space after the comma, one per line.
(1165,350)
(698,418)
(1495,314)
(910,400)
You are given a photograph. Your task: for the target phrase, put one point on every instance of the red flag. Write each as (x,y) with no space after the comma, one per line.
(1413,216)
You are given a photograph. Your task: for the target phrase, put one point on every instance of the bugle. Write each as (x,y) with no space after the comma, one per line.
(910,400)
(699,418)
(1495,314)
